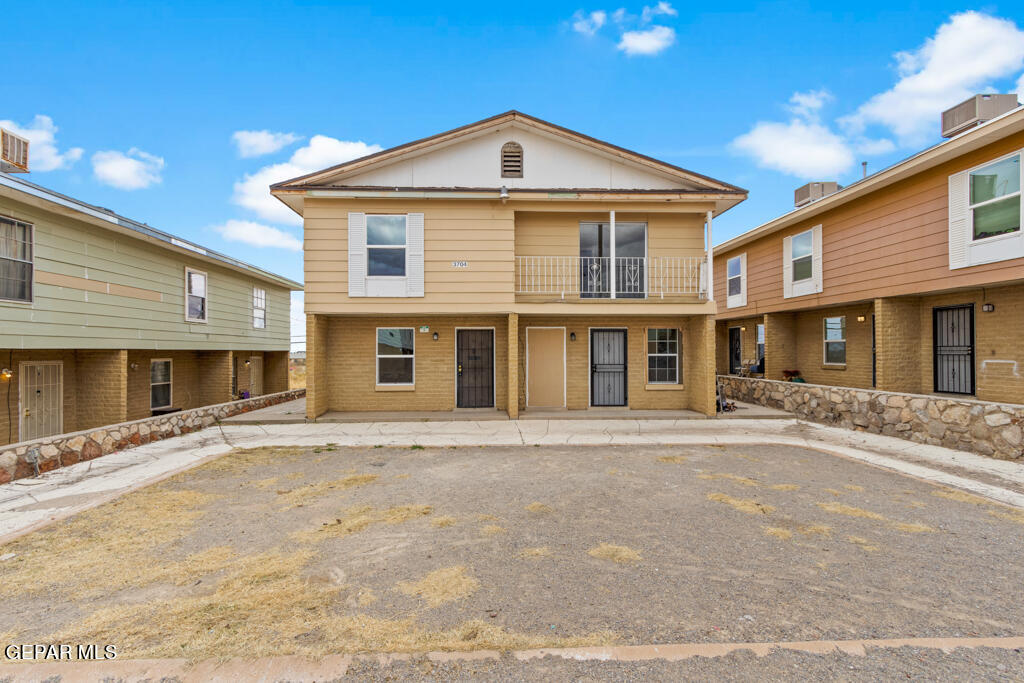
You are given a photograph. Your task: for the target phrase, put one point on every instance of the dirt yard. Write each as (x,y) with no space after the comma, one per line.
(303,550)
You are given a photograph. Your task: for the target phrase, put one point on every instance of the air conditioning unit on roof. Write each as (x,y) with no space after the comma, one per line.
(812,192)
(13,152)
(975,111)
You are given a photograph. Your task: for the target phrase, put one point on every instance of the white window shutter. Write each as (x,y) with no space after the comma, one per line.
(959,221)
(743,279)
(787,267)
(816,258)
(356,254)
(414,254)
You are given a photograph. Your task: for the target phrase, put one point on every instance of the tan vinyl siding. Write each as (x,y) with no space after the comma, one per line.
(558,233)
(97,289)
(892,242)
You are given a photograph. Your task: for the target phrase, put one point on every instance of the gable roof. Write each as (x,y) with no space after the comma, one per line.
(321,179)
(36,195)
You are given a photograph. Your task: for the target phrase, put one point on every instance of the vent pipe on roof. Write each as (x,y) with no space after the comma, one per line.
(864,169)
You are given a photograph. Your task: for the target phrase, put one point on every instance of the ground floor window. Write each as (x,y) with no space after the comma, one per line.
(835,340)
(396,355)
(662,356)
(160,384)
(760,347)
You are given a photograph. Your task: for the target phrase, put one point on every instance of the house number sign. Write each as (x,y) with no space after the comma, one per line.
(460,264)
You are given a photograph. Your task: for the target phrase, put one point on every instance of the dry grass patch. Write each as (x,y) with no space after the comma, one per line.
(108,548)
(542,551)
(358,518)
(615,553)
(538,508)
(443,521)
(265,483)
(785,487)
(241,459)
(778,532)
(961,496)
(441,586)
(303,494)
(492,530)
(862,543)
(815,530)
(850,511)
(853,487)
(742,504)
(834,492)
(743,481)
(487,518)
(673,459)
(1012,514)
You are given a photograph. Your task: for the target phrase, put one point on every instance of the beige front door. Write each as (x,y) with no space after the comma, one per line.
(256,376)
(545,367)
(42,399)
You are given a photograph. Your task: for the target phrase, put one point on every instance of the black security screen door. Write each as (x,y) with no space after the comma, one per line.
(735,350)
(474,358)
(953,330)
(608,367)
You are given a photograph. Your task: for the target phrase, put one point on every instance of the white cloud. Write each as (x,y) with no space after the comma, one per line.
(964,55)
(808,105)
(258,235)
(43,154)
(135,170)
(647,42)
(1019,89)
(588,24)
(255,143)
(661,8)
(253,190)
(806,149)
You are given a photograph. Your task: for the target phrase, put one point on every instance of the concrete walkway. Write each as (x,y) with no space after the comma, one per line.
(27,504)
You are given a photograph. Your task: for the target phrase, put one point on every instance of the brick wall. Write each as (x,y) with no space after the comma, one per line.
(275,371)
(513,378)
(214,368)
(810,351)
(351,363)
(102,386)
(9,390)
(317,343)
(898,343)
(779,344)
(697,351)
(186,387)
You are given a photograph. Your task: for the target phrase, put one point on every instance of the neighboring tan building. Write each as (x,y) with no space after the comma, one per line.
(103,319)
(910,280)
(510,265)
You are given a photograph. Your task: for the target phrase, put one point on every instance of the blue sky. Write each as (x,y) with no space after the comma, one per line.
(143,100)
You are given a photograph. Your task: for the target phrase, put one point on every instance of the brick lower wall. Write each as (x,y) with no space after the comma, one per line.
(102,378)
(10,389)
(984,427)
(30,458)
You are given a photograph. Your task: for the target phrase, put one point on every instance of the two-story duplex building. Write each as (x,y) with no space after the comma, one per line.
(510,264)
(909,280)
(104,319)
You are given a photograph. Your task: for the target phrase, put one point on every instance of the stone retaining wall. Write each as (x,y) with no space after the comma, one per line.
(994,429)
(29,458)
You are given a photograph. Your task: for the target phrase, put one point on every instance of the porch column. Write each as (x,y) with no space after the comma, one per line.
(699,378)
(513,366)
(214,368)
(317,343)
(102,387)
(898,344)
(779,344)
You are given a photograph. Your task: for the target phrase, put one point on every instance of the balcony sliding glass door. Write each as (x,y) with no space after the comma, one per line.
(604,268)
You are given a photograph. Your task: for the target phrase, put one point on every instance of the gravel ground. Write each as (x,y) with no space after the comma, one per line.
(734,544)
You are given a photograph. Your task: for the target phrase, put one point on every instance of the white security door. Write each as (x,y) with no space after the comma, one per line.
(256,376)
(41,404)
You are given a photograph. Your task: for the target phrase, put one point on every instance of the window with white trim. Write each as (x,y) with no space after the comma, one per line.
(396,355)
(259,308)
(760,345)
(16,262)
(160,384)
(662,356)
(385,245)
(736,281)
(834,339)
(802,256)
(995,198)
(195,296)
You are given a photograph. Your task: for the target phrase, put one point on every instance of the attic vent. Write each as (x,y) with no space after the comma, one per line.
(511,160)
(13,152)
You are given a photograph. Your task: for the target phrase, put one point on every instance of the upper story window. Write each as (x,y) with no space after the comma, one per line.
(385,245)
(259,308)
(801,263)
(511,160)
(736,281)
(195,296)
(15,260)
(995,198)
(985,213)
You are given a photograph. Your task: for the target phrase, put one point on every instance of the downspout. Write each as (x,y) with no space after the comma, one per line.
(710,256)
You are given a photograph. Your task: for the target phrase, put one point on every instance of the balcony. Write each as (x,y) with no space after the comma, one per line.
(593,277)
